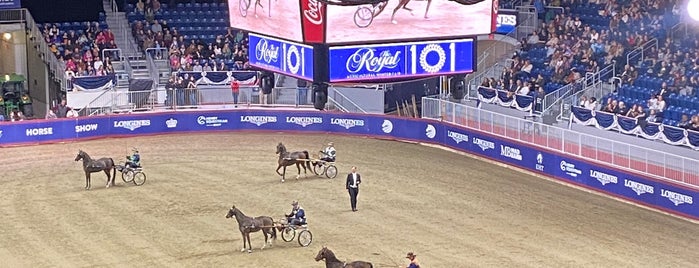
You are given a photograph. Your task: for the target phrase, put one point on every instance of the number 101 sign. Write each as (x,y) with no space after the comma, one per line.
(401,60)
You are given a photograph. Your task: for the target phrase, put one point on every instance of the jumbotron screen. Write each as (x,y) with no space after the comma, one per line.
(277,18)
(413,19)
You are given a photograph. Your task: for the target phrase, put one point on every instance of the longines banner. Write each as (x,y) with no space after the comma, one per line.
(655,193)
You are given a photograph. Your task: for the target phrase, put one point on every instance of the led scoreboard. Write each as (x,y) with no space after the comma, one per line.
(280,56)
(401,60)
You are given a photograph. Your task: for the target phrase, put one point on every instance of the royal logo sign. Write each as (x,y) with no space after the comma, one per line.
(266,52)
(370,60)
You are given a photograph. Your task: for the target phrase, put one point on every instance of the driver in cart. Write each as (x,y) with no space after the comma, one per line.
(328,153)
(297,216)
(134,160)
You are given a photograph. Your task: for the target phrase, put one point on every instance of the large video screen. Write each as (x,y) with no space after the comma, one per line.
(278,18)
(444,18)
(401,60)
(280,56)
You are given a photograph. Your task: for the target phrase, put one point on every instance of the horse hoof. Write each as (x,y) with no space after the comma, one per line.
(242,250)
(249,251)
(394,22)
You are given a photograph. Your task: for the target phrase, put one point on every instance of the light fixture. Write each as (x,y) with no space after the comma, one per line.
(693,9)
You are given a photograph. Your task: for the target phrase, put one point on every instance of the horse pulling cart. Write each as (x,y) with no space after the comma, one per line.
(134,175)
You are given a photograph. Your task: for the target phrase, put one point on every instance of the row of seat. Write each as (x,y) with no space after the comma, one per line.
(166,15)
(671,116)
(75,26)
(186,6)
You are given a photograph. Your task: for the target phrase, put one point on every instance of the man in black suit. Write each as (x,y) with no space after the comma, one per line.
(352,185)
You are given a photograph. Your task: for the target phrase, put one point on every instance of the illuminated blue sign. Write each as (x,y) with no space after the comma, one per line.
(284,57)
(401,60)
(506,21)
(10,4)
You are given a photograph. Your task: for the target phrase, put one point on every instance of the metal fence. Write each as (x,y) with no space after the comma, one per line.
(119,101)
(621,155)
(637,55)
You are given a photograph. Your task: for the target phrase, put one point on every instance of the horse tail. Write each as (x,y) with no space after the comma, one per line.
(308,163)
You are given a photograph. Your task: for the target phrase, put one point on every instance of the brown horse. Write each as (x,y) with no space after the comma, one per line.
(249,225)
(290,158)
(332,262)
(91,166)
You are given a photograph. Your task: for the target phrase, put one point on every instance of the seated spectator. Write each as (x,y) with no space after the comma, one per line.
(652,117)
(610,107)
(695,123)
(50,114)
(592,104)
(684,122)
(583,102)
(633,112)
(71,113)
(17,115)
(622,110)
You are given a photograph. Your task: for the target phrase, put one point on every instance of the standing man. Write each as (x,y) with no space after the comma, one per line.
(235,87)
(352,185)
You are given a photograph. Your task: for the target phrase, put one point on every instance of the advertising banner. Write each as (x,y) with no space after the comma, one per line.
(280,56)
(10,4)
(651,192)
(401,60)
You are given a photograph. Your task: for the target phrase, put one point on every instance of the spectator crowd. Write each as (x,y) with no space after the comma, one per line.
(81,50)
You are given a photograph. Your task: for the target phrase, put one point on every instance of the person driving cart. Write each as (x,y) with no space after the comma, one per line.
(297,215)
(328,153)
(134,160)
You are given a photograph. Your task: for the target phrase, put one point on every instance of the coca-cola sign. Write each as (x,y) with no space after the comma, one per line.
(266,52)
(313,20)
(368,59)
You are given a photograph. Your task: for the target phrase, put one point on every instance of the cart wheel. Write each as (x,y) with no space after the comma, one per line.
(305,238)
(318,169)
(243,6)
(139,178)
(288,234)
(127,175)
(331,172)
(363,17)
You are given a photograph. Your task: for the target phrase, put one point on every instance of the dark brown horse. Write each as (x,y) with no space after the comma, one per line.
(332,262)
(249,225)
(290,158)
(91,166)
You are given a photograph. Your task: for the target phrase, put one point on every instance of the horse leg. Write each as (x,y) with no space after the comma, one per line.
(87,181)
(243,249)
(406,7)
(298,174)
(106,171)
(264,232)
(249,244)
(401,4)
(283,173)
(278,167)
(427,9)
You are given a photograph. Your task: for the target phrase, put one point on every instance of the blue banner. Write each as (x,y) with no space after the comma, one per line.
(506,21)
(596,176)
(401,60)
(284,57)
(10,4)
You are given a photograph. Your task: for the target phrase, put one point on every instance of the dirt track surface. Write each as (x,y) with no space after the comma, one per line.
(474,214)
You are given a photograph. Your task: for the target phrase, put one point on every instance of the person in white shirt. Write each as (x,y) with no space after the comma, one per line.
(329,153)
(352,185)
(524,90)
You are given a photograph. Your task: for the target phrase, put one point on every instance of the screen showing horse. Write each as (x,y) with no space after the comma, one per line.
(278,18)
(398,20)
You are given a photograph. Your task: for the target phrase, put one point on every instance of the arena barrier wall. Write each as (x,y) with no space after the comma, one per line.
(662,195)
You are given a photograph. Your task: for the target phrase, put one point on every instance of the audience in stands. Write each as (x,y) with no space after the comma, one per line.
(81,50)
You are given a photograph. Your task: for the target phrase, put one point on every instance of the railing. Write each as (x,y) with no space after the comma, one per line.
(475,81)
(678,30)
(343,102)
(110,52)
(638,54)
(565,96)
(621,155)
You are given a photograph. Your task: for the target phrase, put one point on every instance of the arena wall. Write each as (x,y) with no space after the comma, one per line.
(661,195)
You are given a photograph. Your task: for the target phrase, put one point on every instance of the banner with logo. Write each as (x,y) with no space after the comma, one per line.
(10,4)
(655,193)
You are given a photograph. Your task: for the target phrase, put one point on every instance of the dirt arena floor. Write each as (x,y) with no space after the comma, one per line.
(446,19)
(451,210)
